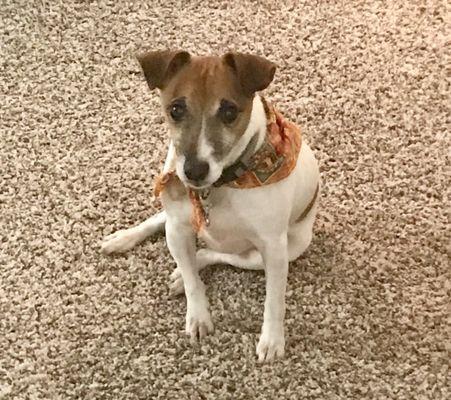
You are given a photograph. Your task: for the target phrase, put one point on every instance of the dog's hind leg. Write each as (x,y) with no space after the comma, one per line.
(125,239)
(250,259)
(299,238)
(300,235)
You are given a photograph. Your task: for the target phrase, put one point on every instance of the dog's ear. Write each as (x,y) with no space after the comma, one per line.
(254,73)
(160,66)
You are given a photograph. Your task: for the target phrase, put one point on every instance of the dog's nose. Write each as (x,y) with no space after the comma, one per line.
(196,170)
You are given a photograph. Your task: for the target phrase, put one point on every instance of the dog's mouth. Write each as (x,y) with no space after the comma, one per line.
(197,185)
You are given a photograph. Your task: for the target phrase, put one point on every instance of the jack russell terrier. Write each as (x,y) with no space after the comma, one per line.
(237,175)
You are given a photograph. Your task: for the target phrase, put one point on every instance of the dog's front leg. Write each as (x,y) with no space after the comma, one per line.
(272,340)
(181,241)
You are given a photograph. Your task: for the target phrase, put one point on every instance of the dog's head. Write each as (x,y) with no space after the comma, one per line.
(208,103)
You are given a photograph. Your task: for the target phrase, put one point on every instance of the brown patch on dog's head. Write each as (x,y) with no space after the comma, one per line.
(207,100)
(160,66)
(253,72)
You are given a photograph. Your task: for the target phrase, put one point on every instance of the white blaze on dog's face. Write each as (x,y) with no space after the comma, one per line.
(208,102)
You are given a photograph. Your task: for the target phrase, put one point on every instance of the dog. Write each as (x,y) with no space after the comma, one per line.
(253,208)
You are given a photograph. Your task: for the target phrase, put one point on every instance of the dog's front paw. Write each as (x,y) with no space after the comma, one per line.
(120,241)
(271,345)
(198,322)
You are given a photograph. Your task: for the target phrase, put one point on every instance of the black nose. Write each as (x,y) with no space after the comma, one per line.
(195,170)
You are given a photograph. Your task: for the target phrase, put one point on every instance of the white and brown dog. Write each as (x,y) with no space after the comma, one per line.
(228,178)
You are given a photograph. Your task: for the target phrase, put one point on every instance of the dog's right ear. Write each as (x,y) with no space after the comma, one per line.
(160,66)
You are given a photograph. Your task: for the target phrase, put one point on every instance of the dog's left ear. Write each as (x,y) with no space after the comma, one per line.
(160,66)
(254,73)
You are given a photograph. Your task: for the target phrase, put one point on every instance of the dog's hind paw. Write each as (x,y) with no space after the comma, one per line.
(120,241)
(176,286)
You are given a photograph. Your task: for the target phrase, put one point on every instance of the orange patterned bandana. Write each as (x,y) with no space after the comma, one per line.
(276,158)
(272,162)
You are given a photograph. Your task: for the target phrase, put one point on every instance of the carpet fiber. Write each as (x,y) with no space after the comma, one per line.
(82,139)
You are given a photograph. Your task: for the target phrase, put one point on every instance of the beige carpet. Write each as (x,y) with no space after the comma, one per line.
(82,139)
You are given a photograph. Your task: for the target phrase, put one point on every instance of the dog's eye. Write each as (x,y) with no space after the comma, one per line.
(228,112)
(177,110)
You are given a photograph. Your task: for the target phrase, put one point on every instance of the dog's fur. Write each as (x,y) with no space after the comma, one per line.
(257,228)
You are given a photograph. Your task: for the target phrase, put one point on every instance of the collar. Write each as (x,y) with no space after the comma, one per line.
(272,161)
(244,162)
(239,167)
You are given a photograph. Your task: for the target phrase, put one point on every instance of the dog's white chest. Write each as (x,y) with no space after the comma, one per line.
(227,229)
